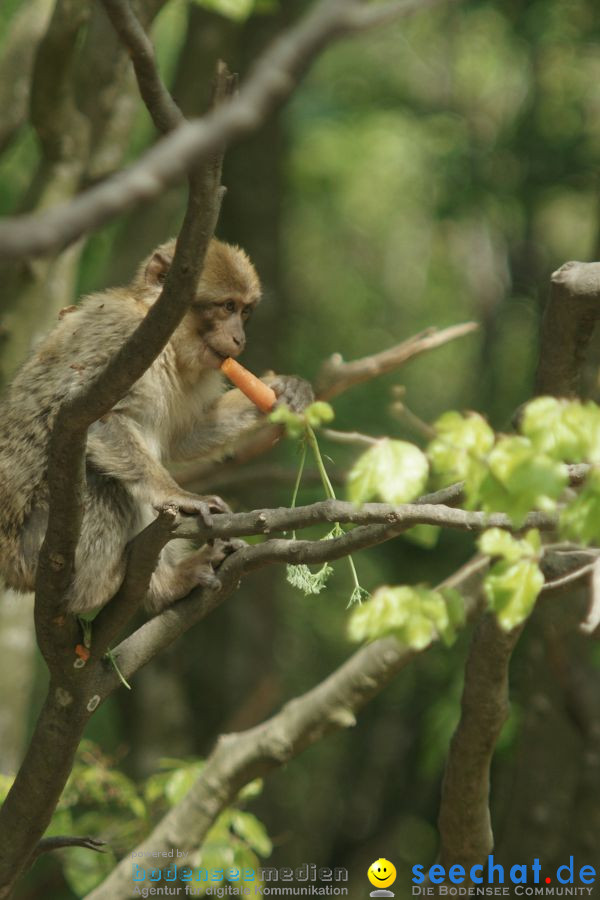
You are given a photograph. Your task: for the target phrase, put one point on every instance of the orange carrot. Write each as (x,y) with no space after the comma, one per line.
(256,390)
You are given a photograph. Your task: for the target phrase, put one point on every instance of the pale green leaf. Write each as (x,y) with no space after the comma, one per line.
(512,589)
(319,413)
(414,615)
(459,451)
(306,581)
(566,430)
(580,519)
(521,479)
(496,542)
(252,831)
(392,471)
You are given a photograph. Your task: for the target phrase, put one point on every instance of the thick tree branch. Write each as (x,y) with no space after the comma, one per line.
(20,44)
(272,79)
(73,694)
(238,758)
(569,320)
(464,820)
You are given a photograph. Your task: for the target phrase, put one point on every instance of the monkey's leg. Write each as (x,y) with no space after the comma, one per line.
(100,556)
(179,571)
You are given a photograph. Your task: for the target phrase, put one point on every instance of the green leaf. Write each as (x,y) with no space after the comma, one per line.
(496,542)
(319,413)
(580,519)
(314,416)
(521,479)
(359,595)
(392,471)
(414,615)
(238,10)
(306,581)
(460,450)
(6,782)
(512,589)
(251,790)
(180,781)
(294,423)
(252,831)
(566,430)
(425,536)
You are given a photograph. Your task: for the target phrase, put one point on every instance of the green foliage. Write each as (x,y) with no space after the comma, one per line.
(505,474)
(459,450)
(238,10)
(306,581)
(416,616)
(172,783)
(315,415)
(566,430)
(515,580)
(100,800)
(425,536)
(520,479)
(580,519)
(392,471)
(302,425)
(6,782)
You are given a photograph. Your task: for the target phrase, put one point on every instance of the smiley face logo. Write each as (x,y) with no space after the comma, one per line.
(382,873)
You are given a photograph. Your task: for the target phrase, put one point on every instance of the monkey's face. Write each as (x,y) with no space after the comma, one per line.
(220,325)
(228,292)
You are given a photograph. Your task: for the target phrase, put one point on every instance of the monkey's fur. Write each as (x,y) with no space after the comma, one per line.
(177,410)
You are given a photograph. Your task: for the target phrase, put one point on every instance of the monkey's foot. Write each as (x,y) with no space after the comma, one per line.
(221,548)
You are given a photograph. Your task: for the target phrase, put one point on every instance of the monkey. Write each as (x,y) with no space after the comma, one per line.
(179,409)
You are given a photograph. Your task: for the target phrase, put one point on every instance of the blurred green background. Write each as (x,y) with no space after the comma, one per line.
(432,172)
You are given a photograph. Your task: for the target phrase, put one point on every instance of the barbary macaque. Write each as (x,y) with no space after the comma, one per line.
(179,409)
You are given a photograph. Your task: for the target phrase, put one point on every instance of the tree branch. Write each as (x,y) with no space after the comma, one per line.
(272,80)
(59,842)
(161,631)
(74,690)
(165,113)
(20,44)
(569,320)
(337,376)
(398,518)
(464,820)
(238,758)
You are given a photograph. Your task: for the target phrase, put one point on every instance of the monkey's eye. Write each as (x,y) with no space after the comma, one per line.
(247,312)
(230,306)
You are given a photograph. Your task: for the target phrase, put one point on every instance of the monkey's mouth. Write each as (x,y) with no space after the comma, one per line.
(219,357)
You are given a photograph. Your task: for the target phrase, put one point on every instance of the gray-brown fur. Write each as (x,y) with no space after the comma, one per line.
(178,409)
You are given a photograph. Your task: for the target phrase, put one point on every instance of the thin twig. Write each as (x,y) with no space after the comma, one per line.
(337,376)
(271,81)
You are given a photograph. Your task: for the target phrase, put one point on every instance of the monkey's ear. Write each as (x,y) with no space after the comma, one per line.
(157,268)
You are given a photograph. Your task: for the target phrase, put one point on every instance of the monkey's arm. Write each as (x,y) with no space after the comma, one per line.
(117,447)
(232,416)
(210,437)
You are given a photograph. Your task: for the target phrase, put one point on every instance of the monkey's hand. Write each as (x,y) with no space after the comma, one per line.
(189,504)
(205,562)
(297,393)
